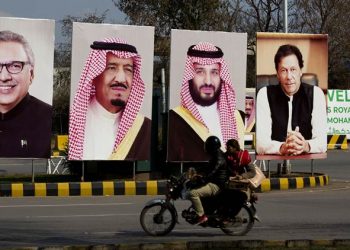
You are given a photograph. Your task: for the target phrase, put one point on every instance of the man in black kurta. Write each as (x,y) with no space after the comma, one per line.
(25,122)
(25,130)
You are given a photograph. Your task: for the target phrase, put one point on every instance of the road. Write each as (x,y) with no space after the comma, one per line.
(319,213)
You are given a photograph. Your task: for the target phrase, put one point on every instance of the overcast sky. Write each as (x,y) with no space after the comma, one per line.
(58,9)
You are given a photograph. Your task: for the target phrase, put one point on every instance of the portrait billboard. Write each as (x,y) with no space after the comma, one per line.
(111,92)
(291,87)
(207,91)
(26,87)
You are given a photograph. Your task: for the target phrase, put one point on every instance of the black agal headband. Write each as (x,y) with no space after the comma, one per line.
(205,54)
(113,46)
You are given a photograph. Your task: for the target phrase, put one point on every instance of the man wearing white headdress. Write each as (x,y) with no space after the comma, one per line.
(208,106)
(249,114)
(105,122)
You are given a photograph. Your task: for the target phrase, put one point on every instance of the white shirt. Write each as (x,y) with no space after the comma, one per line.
(100,132)
(264,144)
(211,118)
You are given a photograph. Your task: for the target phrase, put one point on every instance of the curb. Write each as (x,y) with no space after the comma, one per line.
(293,183)
(337,142)
(155,187)
(102,188)
(191,245)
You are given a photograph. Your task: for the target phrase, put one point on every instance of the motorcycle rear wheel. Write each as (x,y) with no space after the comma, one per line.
(157,219)
(241,224)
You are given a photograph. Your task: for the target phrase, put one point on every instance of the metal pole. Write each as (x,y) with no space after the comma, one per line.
(82,171)
(286,163)
(32,170)
(163,90)
(285,16)
(134,171)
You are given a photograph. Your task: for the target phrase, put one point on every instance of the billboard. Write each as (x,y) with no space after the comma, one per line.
(26,87)
(292,80)
(111,92)
(207,91)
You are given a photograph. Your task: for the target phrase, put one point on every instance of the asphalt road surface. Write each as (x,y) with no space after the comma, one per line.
(319,213)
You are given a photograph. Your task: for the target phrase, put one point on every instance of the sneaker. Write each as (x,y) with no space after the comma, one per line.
(202,219)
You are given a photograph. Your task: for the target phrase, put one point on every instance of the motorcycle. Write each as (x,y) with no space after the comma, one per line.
(232,210)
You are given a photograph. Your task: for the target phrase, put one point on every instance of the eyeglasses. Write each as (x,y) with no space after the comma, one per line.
(14,67)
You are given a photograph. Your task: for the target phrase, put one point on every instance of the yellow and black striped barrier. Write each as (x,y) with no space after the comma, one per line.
(84,188)
(337,142)
(293,183)
(157,187)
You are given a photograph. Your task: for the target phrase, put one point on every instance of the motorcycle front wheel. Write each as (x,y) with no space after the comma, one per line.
(241,224)
(157,219)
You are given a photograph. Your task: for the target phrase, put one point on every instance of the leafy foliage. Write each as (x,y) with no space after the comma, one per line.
(328,17)
(251,16)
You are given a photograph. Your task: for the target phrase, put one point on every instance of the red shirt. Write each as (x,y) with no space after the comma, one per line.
(238,161)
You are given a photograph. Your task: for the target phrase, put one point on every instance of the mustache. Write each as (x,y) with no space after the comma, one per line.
(119,84)
(207,85)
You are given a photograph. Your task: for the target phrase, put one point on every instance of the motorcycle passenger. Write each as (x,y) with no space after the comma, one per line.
(240,169)
(215,178)
(238,161)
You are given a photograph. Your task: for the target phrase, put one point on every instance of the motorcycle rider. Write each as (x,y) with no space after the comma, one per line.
(215,176)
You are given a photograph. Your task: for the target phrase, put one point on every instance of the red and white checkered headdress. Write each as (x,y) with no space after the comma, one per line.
(206,54)
(94,66)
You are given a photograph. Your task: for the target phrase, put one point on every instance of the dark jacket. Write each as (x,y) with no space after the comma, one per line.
(217,171)
(25,131)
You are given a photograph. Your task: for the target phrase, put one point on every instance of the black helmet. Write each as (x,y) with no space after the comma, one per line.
(212,144)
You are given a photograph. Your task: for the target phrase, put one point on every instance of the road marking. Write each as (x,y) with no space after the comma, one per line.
(107,233)
(67,205)
(13,164)
(307,190)
(79,215)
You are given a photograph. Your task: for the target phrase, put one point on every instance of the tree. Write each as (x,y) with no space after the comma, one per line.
(251,16)
(328,17)
(219,15)
(181,14)
(257,16)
